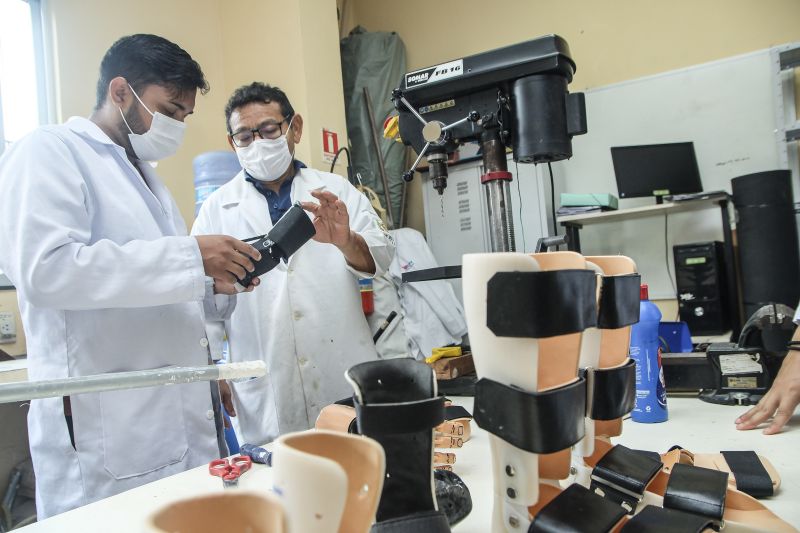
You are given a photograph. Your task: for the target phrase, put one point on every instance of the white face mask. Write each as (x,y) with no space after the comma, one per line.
(266,159)
(162,139)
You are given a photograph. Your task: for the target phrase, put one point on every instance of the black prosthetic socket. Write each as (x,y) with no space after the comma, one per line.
(396,404)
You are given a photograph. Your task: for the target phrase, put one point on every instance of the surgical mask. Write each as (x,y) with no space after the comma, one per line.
(162,139)
(266,159)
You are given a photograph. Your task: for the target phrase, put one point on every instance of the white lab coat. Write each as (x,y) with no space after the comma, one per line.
(433,316)
(107,281)
(305,318)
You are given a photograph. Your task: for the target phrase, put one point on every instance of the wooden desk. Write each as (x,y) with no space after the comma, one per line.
(573,224)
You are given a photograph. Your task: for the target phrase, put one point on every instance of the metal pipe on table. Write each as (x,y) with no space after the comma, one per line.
(137,379)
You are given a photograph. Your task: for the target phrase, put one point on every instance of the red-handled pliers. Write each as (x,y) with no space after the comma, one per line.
(230,469)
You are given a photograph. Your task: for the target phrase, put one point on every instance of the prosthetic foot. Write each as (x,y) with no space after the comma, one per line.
(397,405)
(221,512)
(328,481)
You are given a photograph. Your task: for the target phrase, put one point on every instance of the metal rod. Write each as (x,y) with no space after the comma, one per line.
(456,123)
(137,379)
(501,226)
(413,111)
(498,193)
(403,199)
(381,167)
(420,156)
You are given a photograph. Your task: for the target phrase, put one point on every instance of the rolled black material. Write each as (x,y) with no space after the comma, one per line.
(767,233)
(541,304)
(538,422)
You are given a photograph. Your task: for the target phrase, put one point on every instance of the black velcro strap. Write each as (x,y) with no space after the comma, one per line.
(538,422)
(425,522)
(453,412)
(751,476)
(622,475)
(697,490)
(406,417)
(541,304)
(619,301)
(613,391)
(577,510)
(653,519)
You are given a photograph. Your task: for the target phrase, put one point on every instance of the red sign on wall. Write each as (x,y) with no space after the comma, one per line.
(330,144)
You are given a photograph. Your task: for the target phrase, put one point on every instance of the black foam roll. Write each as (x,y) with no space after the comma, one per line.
(769,256)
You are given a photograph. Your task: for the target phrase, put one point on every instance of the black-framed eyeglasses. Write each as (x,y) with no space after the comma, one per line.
(268,130)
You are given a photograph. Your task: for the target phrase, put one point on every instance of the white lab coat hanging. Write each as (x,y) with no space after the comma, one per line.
(305,318)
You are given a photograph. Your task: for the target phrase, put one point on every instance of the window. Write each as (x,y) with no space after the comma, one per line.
(23,102)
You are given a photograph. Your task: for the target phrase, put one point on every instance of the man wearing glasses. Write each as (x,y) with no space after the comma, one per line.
(306,320)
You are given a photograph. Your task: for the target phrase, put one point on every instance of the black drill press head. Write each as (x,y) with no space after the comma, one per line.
(520,91)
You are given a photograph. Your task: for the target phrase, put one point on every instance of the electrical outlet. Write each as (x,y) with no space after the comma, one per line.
(8,328)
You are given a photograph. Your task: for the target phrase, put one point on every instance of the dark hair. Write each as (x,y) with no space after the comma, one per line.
(145,59)
(257,92)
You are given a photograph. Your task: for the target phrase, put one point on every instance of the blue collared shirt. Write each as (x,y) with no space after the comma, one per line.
(281,202)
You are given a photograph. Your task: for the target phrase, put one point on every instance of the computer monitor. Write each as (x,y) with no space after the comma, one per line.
(656,170)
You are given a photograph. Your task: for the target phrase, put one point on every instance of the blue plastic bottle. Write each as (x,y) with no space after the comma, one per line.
(651,393)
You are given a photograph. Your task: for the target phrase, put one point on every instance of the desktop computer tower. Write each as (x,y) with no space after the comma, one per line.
(701,280)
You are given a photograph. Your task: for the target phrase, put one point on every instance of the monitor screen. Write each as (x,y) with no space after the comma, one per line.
(656,170)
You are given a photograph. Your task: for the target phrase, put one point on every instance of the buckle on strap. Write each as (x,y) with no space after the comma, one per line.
(404,417)
(611,391)
(537,422)
(577,509)
(697,490)
(622,475)
(541,304)
(619,301)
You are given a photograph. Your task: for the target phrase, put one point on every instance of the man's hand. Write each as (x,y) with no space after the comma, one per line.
(779,402)
(226,259)
(331,220)
(332,223)
(226,396)
(226,287)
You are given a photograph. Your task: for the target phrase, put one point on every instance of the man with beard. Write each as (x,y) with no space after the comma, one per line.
(109,281)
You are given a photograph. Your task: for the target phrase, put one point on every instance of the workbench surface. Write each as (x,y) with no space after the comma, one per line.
(695,425)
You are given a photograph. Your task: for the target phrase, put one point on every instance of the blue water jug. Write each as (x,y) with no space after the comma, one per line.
(651,393)
(212,170)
